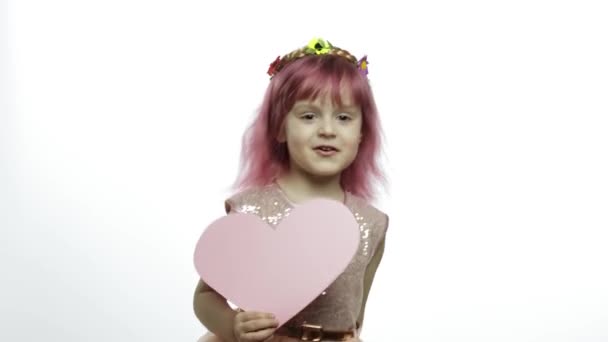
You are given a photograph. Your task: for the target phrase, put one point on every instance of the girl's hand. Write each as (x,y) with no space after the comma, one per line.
(251,326)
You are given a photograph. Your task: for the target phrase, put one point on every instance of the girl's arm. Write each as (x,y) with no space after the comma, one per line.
(213,311)
(370,273)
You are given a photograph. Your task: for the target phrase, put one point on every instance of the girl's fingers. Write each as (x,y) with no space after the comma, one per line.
(259,324)
(253,315)
(255,326)
(261,315)
(260,335)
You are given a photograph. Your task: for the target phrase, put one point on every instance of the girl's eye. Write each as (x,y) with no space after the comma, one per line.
(344,117)
(308,116)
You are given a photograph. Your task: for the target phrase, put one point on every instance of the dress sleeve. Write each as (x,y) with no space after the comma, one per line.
(228,205)
(231,204)
(381,229)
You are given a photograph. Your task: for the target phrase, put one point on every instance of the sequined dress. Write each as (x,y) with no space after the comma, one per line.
(338,307)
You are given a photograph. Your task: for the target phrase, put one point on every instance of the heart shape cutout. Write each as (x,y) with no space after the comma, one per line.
(279,270)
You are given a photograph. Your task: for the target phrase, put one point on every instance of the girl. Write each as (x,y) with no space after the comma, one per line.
(317,135)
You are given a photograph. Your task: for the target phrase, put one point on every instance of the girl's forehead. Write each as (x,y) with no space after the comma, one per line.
(331,98)
(325,103)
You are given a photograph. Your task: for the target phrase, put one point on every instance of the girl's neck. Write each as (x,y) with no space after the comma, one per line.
(299,189)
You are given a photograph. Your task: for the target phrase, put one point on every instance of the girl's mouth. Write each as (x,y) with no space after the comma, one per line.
(326,150)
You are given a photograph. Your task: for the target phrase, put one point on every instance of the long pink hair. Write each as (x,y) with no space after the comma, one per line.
(263,158)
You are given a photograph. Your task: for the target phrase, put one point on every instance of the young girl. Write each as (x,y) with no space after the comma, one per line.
(317,135)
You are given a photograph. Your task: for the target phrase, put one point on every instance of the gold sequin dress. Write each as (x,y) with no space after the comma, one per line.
(338,307)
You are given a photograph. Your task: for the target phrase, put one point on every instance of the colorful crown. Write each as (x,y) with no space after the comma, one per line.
(317,46)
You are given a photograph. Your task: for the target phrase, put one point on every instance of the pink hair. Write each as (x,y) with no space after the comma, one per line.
(263,158)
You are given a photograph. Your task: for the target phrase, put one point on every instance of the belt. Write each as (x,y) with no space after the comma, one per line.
(309,332)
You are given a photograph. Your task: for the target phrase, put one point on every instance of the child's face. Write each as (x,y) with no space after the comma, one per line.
(322,138)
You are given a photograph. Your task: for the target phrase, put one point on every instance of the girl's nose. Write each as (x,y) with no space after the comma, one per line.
(326,128)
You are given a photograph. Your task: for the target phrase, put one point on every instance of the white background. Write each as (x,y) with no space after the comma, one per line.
(120,129)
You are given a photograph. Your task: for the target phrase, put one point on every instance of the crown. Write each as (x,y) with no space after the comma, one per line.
(316,46)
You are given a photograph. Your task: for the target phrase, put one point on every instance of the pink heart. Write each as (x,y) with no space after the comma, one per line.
(280,270)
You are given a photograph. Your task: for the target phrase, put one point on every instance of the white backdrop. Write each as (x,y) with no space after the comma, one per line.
(121,124)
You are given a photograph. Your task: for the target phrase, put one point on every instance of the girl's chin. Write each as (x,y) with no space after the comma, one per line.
(324,172)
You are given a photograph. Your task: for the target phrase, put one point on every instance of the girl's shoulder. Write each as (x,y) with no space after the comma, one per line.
(253,199)
(367,212)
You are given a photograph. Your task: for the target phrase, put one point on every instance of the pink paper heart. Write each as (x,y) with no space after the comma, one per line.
(279,270)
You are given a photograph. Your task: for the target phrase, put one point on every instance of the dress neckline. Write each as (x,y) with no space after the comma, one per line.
(293,204)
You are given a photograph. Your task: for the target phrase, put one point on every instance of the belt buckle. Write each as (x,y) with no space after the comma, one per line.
(311,332)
